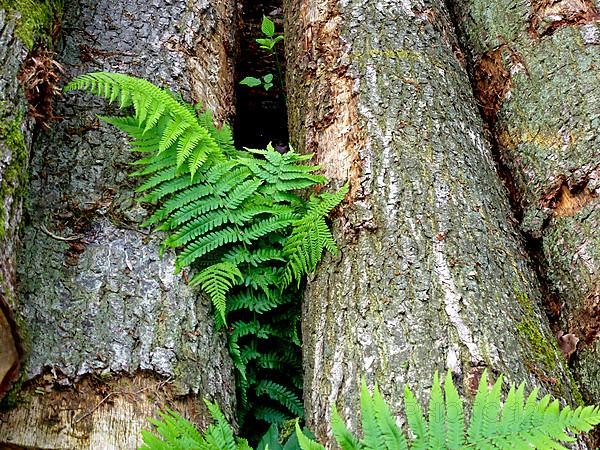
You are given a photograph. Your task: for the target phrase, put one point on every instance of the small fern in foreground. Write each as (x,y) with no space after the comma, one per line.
(518,424)
(176,433)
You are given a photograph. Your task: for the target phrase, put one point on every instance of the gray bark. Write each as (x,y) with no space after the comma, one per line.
(431,273)
(15,143)
(540,61)
(113,333)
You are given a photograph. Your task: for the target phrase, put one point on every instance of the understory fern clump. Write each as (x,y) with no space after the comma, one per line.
(238,220)
(518,423)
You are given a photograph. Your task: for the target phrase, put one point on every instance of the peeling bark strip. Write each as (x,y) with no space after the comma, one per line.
(329,124)
(98,299)
(15,143)
(430,273)
(546,126)
(549,15)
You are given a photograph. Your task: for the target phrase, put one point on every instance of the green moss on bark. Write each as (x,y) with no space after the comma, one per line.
(14,179)
(545,354)
(36,19)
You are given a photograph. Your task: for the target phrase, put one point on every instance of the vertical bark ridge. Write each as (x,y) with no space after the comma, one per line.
(431,274)
(100,302)
(544,114)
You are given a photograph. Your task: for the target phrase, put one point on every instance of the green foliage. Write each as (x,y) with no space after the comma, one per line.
(176,433)
(518,424)
(268,43)
(237,219)
(36,19)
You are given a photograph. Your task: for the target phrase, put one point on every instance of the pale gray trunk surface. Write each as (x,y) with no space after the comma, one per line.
(15,143)
(431,273)
(537,75)
(108,322)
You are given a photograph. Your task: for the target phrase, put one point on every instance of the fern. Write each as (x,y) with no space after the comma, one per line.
(516,424)
(155,109)
(519,423)
(176,433)
(216,281)
(310,236)
(236,218)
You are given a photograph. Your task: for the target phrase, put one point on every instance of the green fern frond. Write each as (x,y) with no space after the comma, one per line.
(310,236)
(153,106)
(241,254)
(343,436)
(253,301)
(175,433)
(243,328)
(216,281)
(307,443)
(221,433)
(152,164)
(372,435)
(282,395)
(437,415)
(191,194)
(518,424)
(270,415)
(167,188)
(455,424)
(390,433)
(417,423)
(206,244)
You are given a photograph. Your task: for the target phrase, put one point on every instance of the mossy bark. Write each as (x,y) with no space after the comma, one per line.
(113,333)
(431,273)
(536,73)
(15,143)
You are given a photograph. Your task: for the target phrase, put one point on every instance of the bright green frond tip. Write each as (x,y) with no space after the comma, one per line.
(174,126)
(176,433)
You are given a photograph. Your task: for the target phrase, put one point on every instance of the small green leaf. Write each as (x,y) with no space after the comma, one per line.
(276,39)
(268,78)
(251,81)
(267,44)
(270,439)
(268,86)
(305,442)
(267,27)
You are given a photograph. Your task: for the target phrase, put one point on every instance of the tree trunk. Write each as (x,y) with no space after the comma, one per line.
(15,142)
(536,76)
(112,333)
(431,274)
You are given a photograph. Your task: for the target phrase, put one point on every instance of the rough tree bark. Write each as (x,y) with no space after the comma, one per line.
(536,75)
(15,143)
(112,333)
(431,273)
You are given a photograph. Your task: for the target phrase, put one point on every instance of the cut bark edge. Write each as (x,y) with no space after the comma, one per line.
(93,410)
